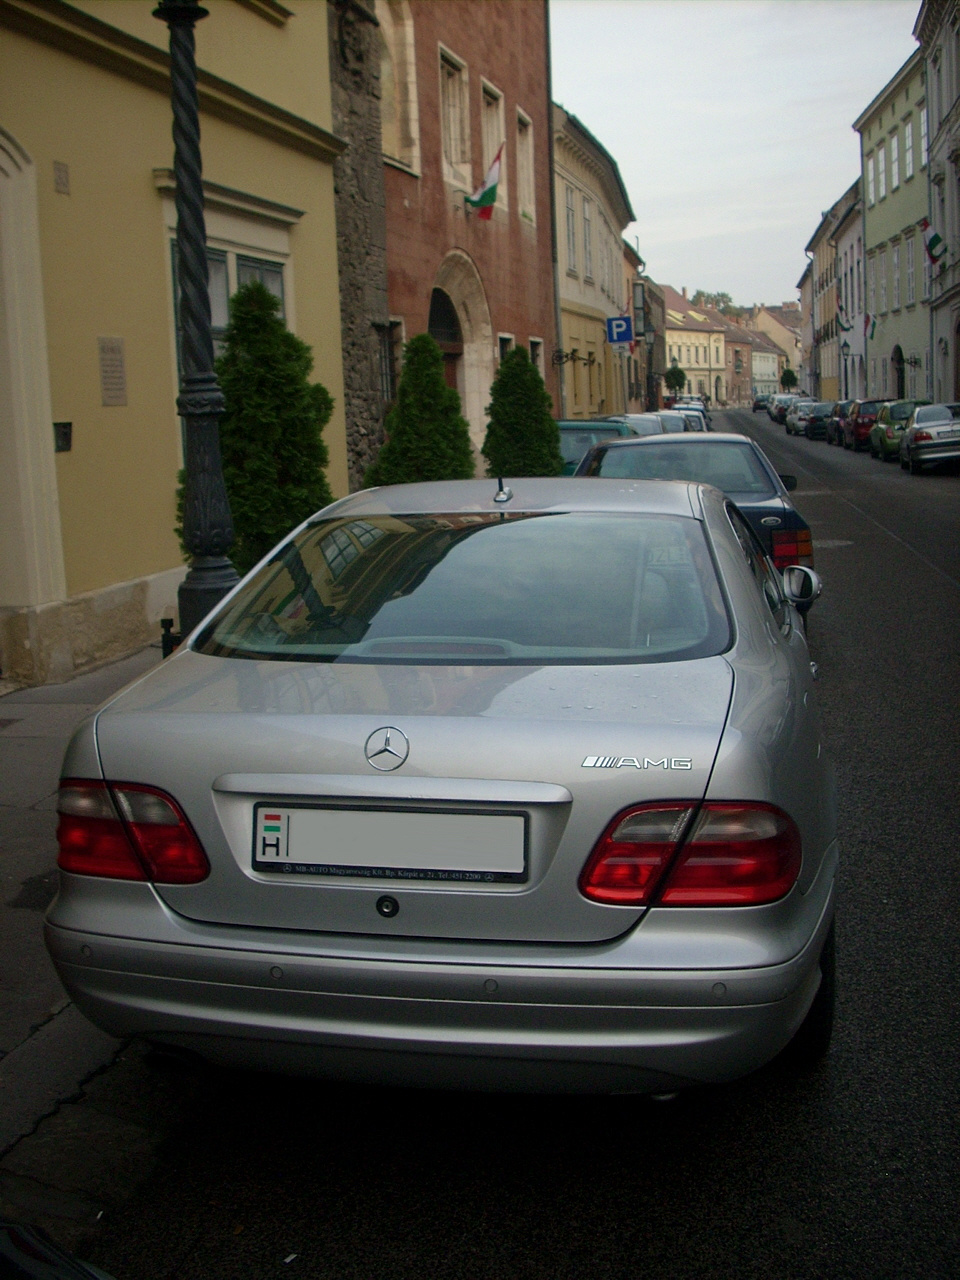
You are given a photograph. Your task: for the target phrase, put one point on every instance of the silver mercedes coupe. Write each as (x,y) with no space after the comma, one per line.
(511,785)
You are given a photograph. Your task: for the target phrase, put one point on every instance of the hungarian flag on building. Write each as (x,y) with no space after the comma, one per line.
(869,325)
(485,196)
(932,241)
(842,321)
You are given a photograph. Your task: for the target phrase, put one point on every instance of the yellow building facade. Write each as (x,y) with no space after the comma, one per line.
(90,440)
(592,210)
(696,344)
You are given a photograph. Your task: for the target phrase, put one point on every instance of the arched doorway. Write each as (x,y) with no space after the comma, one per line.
(897,368)
(717,389)
(444,327)
(458,280)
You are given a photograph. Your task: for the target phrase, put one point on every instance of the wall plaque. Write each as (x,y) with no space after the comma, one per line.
(113,372)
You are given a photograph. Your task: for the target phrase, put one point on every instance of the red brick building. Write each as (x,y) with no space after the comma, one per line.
(457,80)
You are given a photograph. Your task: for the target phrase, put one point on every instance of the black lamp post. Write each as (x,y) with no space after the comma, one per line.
(207,525)
(649,338)
(845,352)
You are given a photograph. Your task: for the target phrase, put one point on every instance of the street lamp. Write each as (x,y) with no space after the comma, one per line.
(207,524)
(845,352)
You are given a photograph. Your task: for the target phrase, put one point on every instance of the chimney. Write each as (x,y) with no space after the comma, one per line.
(684,291)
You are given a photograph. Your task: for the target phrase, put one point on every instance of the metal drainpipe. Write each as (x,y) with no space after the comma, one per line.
(561,381)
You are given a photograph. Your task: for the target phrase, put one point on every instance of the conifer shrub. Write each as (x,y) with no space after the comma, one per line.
(522,436)
(271,429)
(676,379)
(427,435)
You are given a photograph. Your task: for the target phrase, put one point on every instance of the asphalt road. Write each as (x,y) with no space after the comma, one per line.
(848,1171)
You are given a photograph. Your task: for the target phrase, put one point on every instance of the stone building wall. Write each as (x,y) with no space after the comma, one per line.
(361,223)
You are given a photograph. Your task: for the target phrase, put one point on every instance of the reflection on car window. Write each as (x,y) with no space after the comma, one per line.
(764,574)
(477,588)
(729,464)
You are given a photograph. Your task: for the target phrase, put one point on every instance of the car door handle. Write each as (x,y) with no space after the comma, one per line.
(815,670)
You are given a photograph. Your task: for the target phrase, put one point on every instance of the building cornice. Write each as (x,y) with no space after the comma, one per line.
(228,200)
(61,26)
(890,88)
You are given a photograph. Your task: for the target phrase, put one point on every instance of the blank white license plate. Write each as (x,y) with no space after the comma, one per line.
(387,844)
(950,435)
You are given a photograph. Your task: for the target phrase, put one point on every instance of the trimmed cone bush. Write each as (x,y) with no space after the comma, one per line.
(270,432)
(522,436)
(427,436)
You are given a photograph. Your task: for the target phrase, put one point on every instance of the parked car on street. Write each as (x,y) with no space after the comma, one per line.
(816,419)
(884,438)
(796,417)
(836,420)
(731,462)
(512,787)
(779,404)
(760,402)
(576,436)
(856,426)
(931,435)
(673,420)
(694,418)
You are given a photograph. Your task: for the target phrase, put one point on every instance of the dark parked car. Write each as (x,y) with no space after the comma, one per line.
(817,417)
(836,420)
(730,462)
(760,402)
(577,437)
(856,428)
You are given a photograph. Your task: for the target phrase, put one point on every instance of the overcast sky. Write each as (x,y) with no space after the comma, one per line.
(730,121)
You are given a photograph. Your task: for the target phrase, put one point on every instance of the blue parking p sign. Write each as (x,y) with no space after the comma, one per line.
(619,329)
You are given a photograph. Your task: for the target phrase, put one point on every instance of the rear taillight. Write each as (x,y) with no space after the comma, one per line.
(126,831)
(792,546)
(923,435)
(731,854)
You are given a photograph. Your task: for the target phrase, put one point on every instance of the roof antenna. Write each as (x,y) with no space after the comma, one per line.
(502,494)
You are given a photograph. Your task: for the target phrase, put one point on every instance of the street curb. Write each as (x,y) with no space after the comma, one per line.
(48,1068)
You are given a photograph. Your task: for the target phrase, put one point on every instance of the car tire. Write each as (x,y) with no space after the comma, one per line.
(904,463)
(915,467)
(812,1038)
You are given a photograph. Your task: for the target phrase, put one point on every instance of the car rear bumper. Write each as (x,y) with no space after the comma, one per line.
(923,454)
(497,1025)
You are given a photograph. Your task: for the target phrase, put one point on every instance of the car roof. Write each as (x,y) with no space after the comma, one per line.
(563,493)
(690,440)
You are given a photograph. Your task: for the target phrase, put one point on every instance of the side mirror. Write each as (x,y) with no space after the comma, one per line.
(789,483)
(801,586)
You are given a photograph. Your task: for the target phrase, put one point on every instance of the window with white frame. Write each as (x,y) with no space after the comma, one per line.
(504,344)
(909,246)
(881,172)
(859,279)
(883,376)
(894,161)
(895,269)
(454,120)
(536,354)
(924,136)
(927,271)
(874,389)
(571,232)
(871,181)
(882,272)
(492,134)
(587,240)
(872,285)
(526,193)
(908,148)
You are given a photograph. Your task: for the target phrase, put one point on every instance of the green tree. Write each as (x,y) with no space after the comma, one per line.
(522,434)
(427,435)
(676,379)
(270,432)
(788,379)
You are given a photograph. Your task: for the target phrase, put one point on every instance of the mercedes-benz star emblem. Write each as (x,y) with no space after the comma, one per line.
(386,748)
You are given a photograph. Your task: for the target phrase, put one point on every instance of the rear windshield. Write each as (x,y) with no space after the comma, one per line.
(729,464)
(870,406)
(822,410)
(902,410)
(574,442)
(481,589)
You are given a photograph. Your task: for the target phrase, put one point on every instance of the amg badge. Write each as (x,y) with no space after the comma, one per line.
(636,762)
